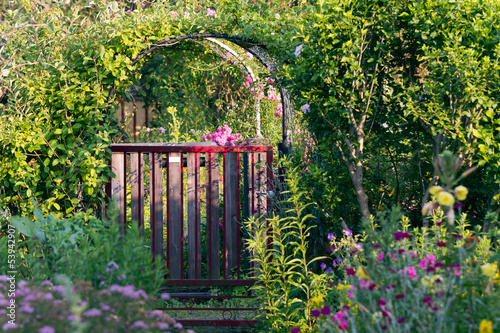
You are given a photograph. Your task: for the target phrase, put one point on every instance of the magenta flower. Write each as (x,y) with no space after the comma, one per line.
(315,313)
(441,244)
(165,296)
(399,235)
(350,271)
(400,296)
(295,330)
(128,11)
(411,272)
(143,5)
(382,302)
(376,246)
(427,299)
(401,320)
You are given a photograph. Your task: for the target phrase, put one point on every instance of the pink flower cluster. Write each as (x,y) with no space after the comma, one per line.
(210,12)
(223,136)
(259,92)
(339,320)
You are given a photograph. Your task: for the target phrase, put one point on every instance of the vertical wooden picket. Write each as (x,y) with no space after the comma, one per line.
(137,189)
(156,188)
(231,218)
(213,250)
(194,220)
(175,215)
(118,185)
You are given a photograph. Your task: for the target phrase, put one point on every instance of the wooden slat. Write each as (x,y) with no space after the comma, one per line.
(193,197)
(118,186)
(175,220)
(137,190)
(156,187)
(232,226)
(260,184)
(213,250)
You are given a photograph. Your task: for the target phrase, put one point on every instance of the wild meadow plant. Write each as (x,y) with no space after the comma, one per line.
(442,278)
(288,288)
(65,307)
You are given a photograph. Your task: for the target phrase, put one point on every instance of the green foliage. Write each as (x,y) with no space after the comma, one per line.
(282,265)
(81,247)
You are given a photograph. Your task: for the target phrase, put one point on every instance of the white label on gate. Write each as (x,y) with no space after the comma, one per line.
(174,159)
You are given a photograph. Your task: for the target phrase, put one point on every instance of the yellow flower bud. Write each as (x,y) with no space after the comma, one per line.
(461,192)
(445,199)
(489,269)
(317,300)
(435,190)
(361,272)
(428,208)
(486,326)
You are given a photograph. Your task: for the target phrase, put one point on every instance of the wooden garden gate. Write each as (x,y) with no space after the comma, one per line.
(191,222)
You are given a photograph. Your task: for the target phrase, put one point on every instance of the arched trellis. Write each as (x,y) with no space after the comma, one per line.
(256,49)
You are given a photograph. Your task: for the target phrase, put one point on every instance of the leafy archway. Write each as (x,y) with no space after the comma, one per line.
(58,120)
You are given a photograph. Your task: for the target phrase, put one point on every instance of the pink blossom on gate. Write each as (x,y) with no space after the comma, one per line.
(210,12)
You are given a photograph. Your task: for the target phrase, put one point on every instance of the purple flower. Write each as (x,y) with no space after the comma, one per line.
(165,296)
(399,235)
(359,246)
(401,320)
(4,278)
(92,313)
(426,299)
(111,267)
(350,271)
(376,246)
(27,309)
(162,130)
(162,326)
(59,289)
(441,244)
(457,236)
(400,296)
(139,324)
(348,232)
(47,283)
(315,313)
(326,310)
(330,236)
(178,325)
(21,284)
(295,330)
(323,266)
(71,317)
(46,329)
(7,326)
(330,270)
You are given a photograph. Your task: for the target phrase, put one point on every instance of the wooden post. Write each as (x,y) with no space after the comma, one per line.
(137,190)
(213,216)
(156,222)
(232,220)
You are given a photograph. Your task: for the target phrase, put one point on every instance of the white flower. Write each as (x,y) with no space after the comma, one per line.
(305,108)
(298,50)
(384,125)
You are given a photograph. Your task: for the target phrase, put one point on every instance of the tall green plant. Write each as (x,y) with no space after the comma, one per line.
(282,264)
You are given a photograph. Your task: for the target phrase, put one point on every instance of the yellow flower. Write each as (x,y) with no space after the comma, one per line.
(486,326)
(445,199)
(461,192)
(429,281)
(489,269)
(435,190)
(317,300)
(361,272)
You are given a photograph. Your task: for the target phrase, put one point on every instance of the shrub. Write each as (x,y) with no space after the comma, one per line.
(81,247)
(44,307)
